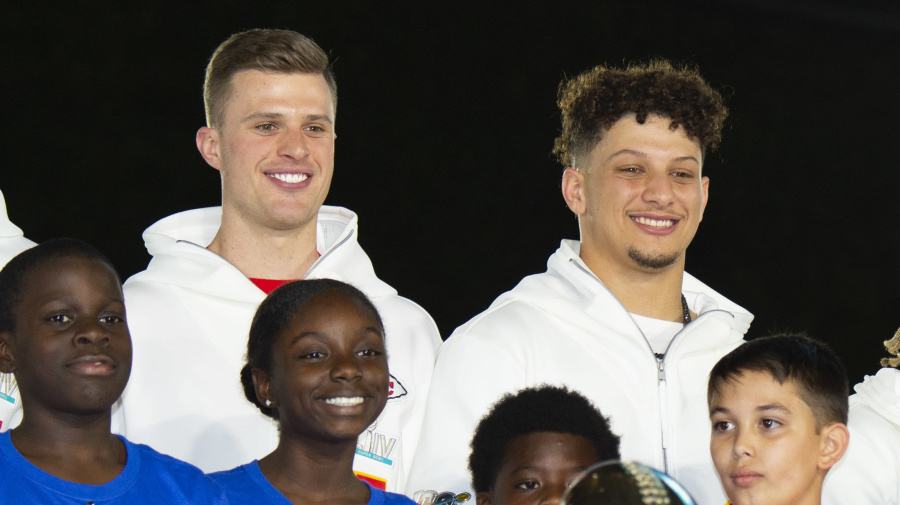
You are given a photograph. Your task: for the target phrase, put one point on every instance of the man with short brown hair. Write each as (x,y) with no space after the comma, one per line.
(270,100)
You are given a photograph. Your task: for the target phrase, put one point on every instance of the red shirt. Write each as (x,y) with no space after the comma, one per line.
(269,285)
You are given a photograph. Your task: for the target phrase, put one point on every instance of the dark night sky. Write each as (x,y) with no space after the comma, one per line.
(445,124)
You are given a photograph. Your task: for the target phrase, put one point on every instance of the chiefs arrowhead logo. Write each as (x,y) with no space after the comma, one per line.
(395,389)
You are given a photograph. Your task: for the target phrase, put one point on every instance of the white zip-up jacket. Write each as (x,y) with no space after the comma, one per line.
(189,314)
(565,327)
(869,472)
(12,242)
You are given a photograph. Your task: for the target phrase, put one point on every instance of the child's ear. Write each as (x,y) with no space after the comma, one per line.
(263,387)
(483,498)
(7,360)
(835,438)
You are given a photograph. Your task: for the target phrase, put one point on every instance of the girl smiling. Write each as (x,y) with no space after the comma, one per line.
(317,364)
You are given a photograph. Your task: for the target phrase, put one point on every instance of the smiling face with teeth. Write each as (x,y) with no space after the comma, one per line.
(70,349)
(329,374)
(274,149)
(639,197)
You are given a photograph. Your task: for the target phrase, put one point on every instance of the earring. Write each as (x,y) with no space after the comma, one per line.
(268,403)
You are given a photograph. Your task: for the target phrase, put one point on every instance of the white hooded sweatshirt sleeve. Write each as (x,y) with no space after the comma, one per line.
(869,472)
(12,242)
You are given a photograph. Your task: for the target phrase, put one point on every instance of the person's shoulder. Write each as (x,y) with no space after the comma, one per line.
(516,310)
(404,315)
(163,464)
(161,473)
(381,497)
(238,472)
(145,302)
(151,457)
(877,399)
(9,457)
(139,288)
(866,422)
(247,484)
(241,476)
(401,306)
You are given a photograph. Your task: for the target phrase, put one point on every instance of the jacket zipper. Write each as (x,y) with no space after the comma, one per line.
(663,410)
(660,372)
(329,251)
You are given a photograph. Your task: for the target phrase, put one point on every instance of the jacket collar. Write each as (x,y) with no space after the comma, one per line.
(700,297)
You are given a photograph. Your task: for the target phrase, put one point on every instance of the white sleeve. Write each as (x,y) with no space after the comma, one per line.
(470,375)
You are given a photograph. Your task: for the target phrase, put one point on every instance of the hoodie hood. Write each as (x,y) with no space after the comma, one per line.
(180,257)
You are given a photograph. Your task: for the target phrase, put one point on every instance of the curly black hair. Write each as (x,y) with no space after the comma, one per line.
(273,316)
(545,408)
(594,100)
(14,276)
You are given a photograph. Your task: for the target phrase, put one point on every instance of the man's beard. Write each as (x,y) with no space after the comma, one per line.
(652,262)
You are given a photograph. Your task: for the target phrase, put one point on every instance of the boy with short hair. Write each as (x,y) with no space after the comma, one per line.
(63,335)
(778,407)
(530,445)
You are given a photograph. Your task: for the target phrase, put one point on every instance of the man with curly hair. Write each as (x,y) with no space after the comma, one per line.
(615,316)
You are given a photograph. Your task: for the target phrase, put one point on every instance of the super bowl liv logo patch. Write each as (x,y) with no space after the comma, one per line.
(376,445)
(8,401)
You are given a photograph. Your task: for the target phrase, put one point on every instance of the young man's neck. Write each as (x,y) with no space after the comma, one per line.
(649,293)
(266,253)
(75,448)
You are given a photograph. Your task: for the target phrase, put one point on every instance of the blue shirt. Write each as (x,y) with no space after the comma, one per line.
(148,478)
(247,484)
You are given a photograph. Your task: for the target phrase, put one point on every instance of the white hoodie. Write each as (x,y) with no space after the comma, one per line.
(12,242)
(189,314)
(869,472)
(564,327)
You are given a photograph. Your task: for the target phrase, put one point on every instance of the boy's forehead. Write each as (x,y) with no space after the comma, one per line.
(75,262)
(61,274)
(759,390)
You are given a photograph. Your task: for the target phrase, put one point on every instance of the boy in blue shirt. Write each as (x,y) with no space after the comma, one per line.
(778,407)
(63,335)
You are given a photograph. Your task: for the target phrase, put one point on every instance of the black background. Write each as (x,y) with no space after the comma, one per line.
(446,120)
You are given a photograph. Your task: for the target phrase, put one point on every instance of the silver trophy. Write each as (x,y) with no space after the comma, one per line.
(625,483)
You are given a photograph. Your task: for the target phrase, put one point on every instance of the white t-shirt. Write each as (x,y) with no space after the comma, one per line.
(658,332)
